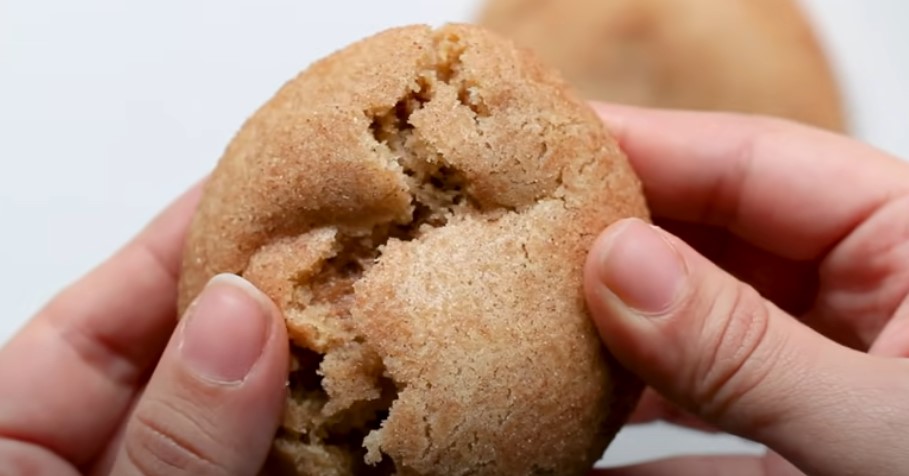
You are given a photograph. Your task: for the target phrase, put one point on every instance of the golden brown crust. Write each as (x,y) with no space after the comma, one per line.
(751,56)
(420,205)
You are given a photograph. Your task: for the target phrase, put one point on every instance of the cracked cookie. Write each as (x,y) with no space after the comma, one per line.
(419,205)
(750,56)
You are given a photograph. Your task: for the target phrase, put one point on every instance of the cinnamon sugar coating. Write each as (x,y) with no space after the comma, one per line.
(420,205)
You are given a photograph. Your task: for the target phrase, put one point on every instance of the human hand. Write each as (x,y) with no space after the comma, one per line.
(104,379)
(774,303)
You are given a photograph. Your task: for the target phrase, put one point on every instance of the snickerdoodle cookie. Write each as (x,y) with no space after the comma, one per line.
(419,205)
(751,56)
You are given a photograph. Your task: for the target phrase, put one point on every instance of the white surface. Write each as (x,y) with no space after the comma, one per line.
(109,109)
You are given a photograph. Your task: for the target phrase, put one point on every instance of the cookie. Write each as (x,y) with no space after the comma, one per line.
(748,56)
(419,205)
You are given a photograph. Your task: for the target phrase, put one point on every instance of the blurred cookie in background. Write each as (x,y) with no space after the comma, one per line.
(749,56)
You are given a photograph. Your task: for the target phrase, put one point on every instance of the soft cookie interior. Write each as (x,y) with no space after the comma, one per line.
(339,390)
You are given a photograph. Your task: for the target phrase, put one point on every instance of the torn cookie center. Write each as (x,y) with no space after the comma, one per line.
(340,389)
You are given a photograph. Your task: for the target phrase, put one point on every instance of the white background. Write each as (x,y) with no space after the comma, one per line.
(109,109)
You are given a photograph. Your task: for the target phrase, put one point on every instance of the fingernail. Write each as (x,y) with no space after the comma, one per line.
(225,330)
(641,268)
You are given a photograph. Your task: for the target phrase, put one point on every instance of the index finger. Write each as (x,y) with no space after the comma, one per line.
(789,189)
(72,371)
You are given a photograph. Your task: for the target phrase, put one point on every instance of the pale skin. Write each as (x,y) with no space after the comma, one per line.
(771,303)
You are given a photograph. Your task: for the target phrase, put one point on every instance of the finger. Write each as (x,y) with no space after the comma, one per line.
(96,340)
(791,285)
(213,404)
(770,465)
(778,184)
(894,339)
(104,461)
(21,458)
(712,344)
(865,281)
(654,407)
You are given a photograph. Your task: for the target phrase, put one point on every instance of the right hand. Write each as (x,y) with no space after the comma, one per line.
(773,303)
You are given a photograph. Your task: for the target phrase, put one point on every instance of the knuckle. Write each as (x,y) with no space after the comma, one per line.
(738,356)
(163,439)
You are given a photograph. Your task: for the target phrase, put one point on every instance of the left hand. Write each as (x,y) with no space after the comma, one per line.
(104,379)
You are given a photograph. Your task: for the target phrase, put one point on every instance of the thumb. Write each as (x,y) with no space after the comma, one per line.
(713,345)
(215,400)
